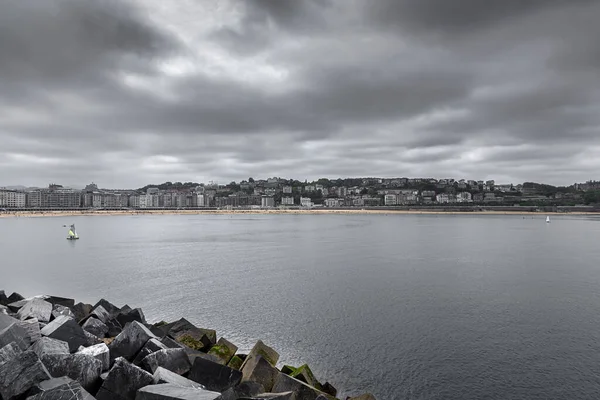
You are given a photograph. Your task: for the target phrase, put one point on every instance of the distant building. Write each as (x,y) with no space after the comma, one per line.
(287,189)
(390,199)
(134,201)
(464,197)
(12,199)
(333,202)
(478,197)
(309,188)
(445,198)
(287,201)
(267,202)
(306,202)
(342,191)
(319,188)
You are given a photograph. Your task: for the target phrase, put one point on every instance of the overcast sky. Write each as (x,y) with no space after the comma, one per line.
(130,92)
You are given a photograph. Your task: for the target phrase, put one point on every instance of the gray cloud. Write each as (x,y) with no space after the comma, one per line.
(128,92)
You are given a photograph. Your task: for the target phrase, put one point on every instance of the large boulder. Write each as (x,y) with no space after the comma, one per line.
(49,385)
(81,310)
(9,352)
(66,329)
(95,327)
(224,350)
(235,362)
(20,373)
(14,297)
(124,317)
(214,376)
(3,298)
(66,391)
(46,346)
(167,391)
(187,333)
(36,308)
(101,313)
(304,374)
(150,347)
(32,326)
(303,391)
(15,333)
(123,381)
(83,368)
(162,375)
(130,341)
(108,306)
(92,339)
(60,301)
(175,360)
(100,352)
(257,369)
(114,328)
(244,389)
(6,321)
(261,349)
(58,310)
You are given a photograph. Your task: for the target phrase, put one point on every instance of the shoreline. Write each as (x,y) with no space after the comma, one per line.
(71,213)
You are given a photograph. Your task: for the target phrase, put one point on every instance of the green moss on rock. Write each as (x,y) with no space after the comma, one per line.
(190,342)
(161,323)
(288,369)
(235,363)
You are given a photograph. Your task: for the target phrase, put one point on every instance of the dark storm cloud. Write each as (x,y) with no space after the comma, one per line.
(198,91)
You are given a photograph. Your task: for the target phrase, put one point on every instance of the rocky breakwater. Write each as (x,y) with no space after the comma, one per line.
(52,348)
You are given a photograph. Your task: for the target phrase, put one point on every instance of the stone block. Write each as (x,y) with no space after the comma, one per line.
(60,301)
(81,310)
(244,389)
(171,343)
(9,352)
(83,368)
(92,339)
(58,310)
(3,298)
(366,396)
(114,328)
(167,391)
(101,313)
(123,381)
(44,386)
(272,396)
(175,360)
(19,374)
(47,345)
(129,316)
(214,376)
(32,326)
(95,327)
(304,374)
(66,329)
(14,297)
(157,331)
(150,347)
(288,369)
(162,375)
(100,352)
(285,383)
(108,306)
(67,391)
(15,333)
(261,349)
(7,320)
(257,369)
(224,350)
(187,333)
(130,341)
(329,389)
(36,308)
(4,309)
(235,363)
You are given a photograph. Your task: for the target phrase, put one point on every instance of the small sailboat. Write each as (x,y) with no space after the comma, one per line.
(72,233)
(548,219)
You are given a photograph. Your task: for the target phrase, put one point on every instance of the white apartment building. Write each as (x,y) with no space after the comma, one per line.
(12,199)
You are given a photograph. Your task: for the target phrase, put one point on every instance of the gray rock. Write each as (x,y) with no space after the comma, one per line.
(285,383)
(36,308)
(162,375)
(224,350)
(92,339)
(14,297)
(3,310)
(101,313)
(108,306)
(81,310)
(272,396)
(6,321)
(19,374)
(47,345)
(175,360)
(181,329)
(257,369)
(154,329)
(3,298)
(130,341)
(214,376)
(15,333)
(366,396)
(124,317)
(50,384)
(32,326)
(83,368)
(67,391)
(329,389)
(150,347)
(9,352)
(100,352)
(244,389)
(114,328)
(168,391)
(261,349)
(58,310)
(61,301)
(66,329)
(123,381)
(170,343)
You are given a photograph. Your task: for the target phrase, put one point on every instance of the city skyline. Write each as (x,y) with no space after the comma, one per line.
(131,91)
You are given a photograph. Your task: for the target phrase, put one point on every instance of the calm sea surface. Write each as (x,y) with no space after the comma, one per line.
(407,307)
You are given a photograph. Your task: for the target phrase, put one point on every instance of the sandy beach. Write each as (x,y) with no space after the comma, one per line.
(70,213)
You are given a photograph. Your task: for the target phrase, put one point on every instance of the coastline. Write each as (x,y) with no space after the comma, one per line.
(71,213)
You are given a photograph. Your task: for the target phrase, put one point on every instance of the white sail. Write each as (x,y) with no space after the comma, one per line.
(548,219)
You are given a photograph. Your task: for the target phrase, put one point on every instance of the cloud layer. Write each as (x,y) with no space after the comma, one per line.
(126,93)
